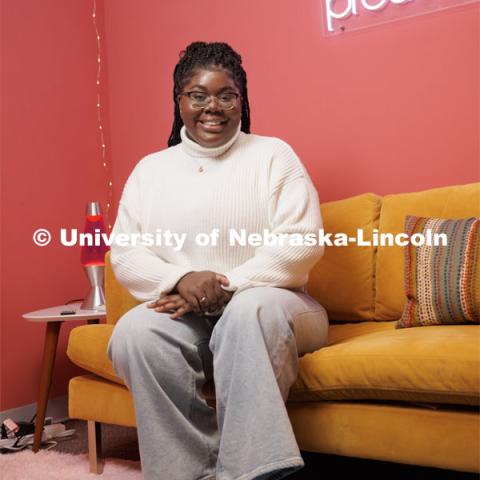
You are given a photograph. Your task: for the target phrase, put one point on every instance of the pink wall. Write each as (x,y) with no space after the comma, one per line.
(388,109)
(50,169)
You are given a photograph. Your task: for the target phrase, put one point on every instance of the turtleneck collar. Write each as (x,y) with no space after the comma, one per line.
(196,150)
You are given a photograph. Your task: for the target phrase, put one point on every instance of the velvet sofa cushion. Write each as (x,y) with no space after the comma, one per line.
(91,397)
(366,360)
(87,348)
(460,201)
(376,361)
(343,280)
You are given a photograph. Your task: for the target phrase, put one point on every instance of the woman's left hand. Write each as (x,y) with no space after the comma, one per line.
(173,302)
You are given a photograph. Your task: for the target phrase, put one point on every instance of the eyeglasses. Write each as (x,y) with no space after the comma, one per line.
(198,100)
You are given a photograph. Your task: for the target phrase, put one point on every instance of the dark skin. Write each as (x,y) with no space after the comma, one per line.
(193,286)
(188,287)
(212,82)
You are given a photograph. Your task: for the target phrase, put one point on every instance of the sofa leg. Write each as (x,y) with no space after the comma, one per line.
(95,447)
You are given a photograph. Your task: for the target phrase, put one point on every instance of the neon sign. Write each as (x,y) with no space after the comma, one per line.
(347,15)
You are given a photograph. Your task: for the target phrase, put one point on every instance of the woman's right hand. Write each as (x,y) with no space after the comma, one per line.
(174,304)
(202,290)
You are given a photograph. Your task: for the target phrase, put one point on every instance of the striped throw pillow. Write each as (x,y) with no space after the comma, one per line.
(442,282)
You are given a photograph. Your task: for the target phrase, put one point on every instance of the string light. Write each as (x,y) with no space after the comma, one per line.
(106,166)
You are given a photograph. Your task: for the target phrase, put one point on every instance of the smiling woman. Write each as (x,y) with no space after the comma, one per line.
(242,308)
(210,123)
(209,73)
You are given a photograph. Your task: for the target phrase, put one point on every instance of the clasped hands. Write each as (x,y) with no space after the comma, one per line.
(199,292)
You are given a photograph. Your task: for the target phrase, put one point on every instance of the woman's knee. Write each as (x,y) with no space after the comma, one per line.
(254,313)
(122,329)
(272,306)
(260,299)
(280,314)
(132,333)
(145,332)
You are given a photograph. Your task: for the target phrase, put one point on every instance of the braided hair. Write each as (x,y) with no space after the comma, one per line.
(208,56)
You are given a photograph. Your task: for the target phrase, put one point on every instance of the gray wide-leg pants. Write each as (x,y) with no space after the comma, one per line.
(251,352)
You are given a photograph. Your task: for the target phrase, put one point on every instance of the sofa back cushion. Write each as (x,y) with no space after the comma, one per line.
(118,298)
(461,201)
(343,280)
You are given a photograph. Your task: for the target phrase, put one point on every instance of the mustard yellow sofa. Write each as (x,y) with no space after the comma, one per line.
(403,395)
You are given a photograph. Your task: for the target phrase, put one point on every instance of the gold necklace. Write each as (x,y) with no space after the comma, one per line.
(200,167)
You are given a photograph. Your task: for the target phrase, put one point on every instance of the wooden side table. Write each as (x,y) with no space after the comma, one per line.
(53,319)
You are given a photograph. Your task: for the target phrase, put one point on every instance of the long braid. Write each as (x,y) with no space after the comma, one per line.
(208,55)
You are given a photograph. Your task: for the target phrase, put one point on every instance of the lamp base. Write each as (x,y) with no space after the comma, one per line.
(94,300)
(95,297)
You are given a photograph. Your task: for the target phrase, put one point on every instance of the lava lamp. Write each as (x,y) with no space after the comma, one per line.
(93,256)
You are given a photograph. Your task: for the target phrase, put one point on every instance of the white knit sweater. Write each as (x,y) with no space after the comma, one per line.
(252,182)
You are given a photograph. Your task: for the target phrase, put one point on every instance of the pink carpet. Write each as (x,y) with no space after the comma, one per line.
(50,465)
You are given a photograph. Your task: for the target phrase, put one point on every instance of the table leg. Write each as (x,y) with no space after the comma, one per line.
(52,330)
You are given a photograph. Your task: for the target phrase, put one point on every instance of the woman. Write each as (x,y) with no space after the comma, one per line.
(236,313)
